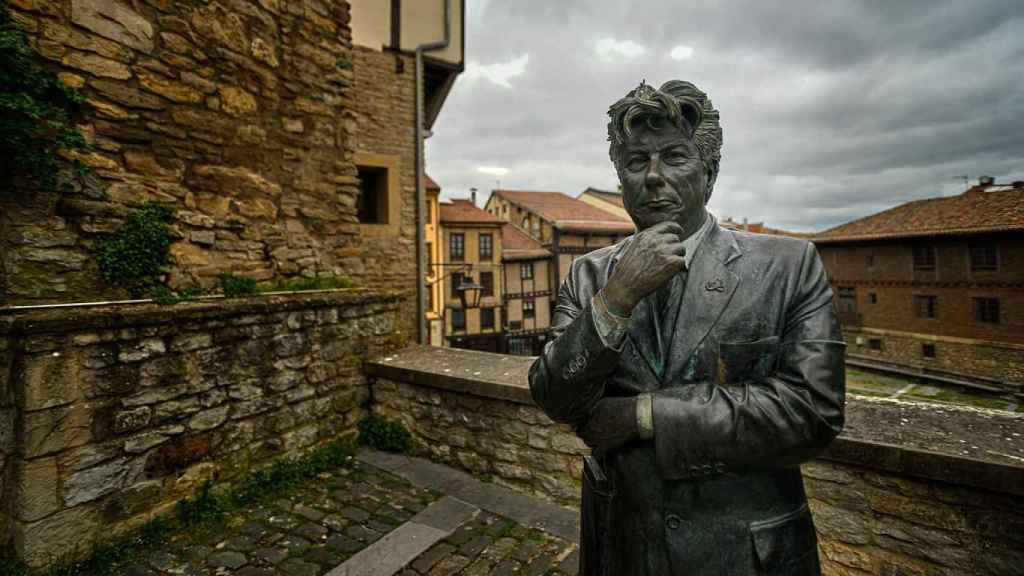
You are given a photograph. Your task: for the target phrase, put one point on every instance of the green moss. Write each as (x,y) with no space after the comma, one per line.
(384,434)
(136,256)
(299,284)
(237,286)
(35,111)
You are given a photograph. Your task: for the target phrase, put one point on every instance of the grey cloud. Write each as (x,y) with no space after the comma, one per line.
(831,110)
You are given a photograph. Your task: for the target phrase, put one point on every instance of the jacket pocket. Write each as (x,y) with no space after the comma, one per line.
(739,361)
(785,544)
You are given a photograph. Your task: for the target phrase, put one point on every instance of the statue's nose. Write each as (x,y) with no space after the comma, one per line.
(653,179)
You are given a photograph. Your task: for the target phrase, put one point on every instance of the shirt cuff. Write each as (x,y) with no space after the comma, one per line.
(645,416)
(611,327)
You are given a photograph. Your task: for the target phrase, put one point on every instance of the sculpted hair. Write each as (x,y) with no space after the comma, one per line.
(679,103)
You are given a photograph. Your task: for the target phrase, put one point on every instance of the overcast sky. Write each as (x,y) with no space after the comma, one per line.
(830,110)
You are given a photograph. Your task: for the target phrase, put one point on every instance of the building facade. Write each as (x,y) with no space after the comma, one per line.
(282,149)
(434,281)
(528,292)
(936,285)
(472,248)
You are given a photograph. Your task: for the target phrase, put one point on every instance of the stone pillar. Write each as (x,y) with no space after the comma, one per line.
(7,426)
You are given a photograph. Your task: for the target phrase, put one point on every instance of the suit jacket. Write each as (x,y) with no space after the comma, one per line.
(747,376)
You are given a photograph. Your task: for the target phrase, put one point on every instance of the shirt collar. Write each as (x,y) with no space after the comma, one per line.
(693,241)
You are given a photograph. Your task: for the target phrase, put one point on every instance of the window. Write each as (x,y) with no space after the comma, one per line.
(486,318)
(871,260)
(457,246)
(874,343)
(528,309)
(924,257)
(925,306)
(515,325)
(872,298)
(430,296)
(430,259)
(456,282)
(486,247)
(526,270)
(372,204)
(430,212)
(928,350)
(986,310)
(487,281)
(458,319)
(984,256)
(847,299)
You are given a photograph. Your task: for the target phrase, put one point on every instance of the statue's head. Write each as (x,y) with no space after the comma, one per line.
(666,145)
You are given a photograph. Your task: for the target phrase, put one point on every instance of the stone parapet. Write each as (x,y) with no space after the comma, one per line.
(121,411)
(902,480)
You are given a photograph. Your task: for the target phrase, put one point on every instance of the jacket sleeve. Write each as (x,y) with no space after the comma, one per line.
(776,421)
(568,378)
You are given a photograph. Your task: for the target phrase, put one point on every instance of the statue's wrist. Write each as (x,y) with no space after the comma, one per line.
(616,304)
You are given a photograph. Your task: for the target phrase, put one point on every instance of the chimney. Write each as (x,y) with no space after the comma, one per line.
(746,227)
(472,196)
(986,181)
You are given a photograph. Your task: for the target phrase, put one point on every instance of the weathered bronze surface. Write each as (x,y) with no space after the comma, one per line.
(701,380)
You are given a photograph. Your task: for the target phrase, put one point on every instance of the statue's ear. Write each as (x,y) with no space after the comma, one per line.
(691,110)
(712,176)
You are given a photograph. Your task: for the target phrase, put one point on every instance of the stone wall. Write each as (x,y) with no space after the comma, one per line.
(907,489)
(240,116)
(997,364)
(125,410)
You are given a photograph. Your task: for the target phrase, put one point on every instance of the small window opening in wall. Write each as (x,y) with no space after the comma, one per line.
(874,343)
(872,298)
(871,260)
(372,205)
(928,350)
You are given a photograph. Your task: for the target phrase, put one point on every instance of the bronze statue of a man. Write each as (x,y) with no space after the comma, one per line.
(701,364)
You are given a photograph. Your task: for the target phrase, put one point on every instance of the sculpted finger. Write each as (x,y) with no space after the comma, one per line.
(671,227)
(676,248)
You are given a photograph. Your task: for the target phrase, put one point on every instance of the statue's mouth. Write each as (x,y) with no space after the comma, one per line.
(659,204)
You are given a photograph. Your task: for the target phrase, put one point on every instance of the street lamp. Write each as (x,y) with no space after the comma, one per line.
(469,293)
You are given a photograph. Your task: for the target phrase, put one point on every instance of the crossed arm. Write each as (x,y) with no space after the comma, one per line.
(706,428)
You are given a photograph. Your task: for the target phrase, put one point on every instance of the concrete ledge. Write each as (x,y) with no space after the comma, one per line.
(951,444)
(36,321)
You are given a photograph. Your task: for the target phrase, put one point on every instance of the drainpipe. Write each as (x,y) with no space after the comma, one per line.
(421,201)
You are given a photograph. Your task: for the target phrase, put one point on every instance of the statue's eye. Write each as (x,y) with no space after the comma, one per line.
(636,162)
(676,158)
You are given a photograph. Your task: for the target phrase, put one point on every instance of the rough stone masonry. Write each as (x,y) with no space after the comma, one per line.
(110,415)
(242,116)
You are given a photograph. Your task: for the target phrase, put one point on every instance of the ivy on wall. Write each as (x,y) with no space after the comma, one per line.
(35,111)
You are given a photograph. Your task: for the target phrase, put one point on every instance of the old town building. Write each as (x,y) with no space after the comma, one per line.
(566,226)
(936,285)
(472,248)
(528,291)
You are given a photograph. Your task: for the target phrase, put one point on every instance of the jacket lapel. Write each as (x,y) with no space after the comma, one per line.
(709,288)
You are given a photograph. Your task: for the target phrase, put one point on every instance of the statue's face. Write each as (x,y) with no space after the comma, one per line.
(663,177)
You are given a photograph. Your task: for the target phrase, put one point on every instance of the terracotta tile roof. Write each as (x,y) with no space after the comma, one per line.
(465,212)
(566,213)
(759,228)
(518,245)
(980,209)
(429,183)
(606,195)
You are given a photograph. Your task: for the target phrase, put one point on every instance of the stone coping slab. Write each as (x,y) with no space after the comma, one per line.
(953,444)
(15,321)
(529,511)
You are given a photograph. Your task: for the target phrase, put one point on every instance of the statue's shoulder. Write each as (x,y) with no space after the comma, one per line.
(771,246)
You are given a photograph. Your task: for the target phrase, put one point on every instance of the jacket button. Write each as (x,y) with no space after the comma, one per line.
(673,522)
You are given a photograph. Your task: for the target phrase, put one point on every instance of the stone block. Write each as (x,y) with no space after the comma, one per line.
(92,483)
(131,420)
(97,65)
(142,442)
(142,350)
(236,101)
(115,20)
(41,542)
(170,89)
(50,380)
(36,489)
(56,429)
(126,95)
(209,419)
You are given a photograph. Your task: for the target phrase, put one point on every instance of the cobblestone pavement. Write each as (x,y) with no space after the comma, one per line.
(316,528)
